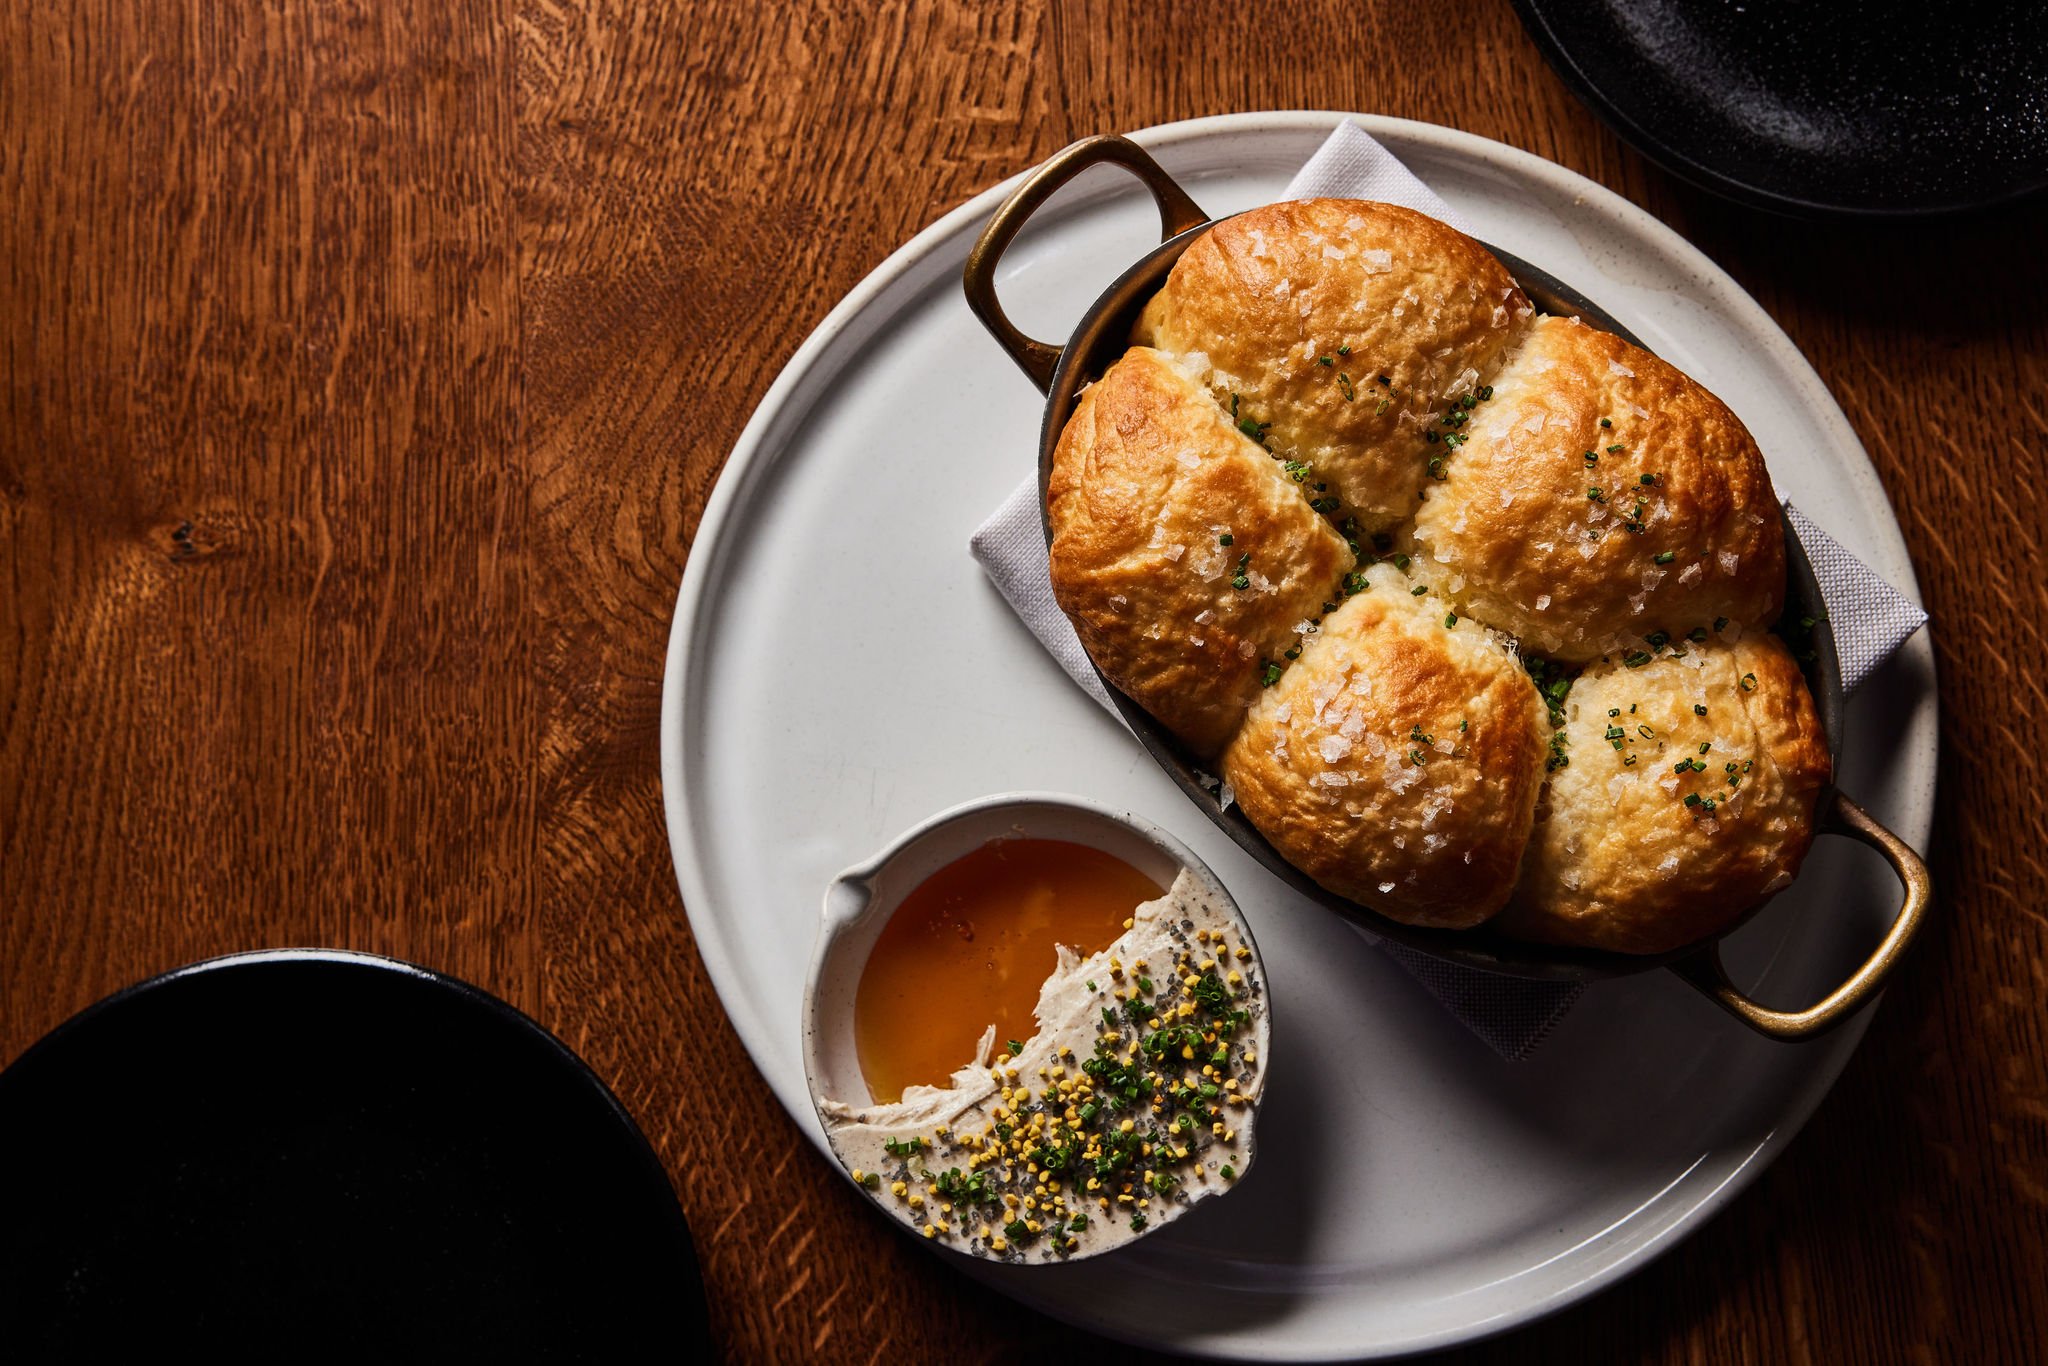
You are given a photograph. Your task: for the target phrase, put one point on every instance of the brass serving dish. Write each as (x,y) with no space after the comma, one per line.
(1061,372)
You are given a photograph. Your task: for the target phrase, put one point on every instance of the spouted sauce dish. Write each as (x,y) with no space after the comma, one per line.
(972,946)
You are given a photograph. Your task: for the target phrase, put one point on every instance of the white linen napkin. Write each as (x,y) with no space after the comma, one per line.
(1512,1015)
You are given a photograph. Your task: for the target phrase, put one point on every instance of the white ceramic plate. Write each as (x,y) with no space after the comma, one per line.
(839,669)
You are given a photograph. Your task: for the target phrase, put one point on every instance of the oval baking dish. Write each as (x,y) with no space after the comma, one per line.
(1062,372)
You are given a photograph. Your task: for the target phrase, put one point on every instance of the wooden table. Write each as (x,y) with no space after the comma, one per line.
(366,375)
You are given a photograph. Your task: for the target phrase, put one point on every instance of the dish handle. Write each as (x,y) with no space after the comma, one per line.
(1703,970)
(1177,213)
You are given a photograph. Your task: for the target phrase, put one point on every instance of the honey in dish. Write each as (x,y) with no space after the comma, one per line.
(972,946)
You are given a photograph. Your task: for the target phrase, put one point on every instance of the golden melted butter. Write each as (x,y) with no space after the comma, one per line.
(972,945)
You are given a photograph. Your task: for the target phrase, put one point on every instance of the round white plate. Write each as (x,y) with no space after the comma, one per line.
(839,669)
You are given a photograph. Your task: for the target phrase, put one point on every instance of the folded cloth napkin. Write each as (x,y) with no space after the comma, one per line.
(1511,1014)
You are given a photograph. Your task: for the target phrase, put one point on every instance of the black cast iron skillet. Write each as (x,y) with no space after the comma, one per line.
(1061,372)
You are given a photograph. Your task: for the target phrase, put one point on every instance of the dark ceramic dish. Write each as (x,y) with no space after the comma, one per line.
(1062,372)
(1877,110)
(317,1156)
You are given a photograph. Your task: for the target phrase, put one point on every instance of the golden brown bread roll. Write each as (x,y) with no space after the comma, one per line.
(1182,551)
(1580,538)
(1398,762)
(1344,327)
(1688,799)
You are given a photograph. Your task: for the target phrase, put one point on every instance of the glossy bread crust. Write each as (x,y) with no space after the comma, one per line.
(1148,479)
(1398,763)
(1634,855)
(1213,492)
(1580,539)
(1302,309)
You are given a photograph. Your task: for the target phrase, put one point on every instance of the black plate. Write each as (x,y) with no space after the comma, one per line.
(325,1156)
(1883,109)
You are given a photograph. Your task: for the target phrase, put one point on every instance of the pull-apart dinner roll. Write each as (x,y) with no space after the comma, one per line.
(1688,799)
(1182,551)
(1344,329)
(1536,486)
(1398,762)
(1600,495)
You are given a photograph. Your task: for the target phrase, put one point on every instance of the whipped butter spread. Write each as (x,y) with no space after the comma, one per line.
(1132,1102)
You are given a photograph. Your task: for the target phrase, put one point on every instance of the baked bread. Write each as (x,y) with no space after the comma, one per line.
(1398,763)
(1690,794)
(1324,519)
(1600,495)
(1346,330)
(1185,556)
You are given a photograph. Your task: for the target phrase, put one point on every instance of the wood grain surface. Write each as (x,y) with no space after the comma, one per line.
(367,368)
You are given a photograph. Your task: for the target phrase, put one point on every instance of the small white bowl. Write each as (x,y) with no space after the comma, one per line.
(861,900)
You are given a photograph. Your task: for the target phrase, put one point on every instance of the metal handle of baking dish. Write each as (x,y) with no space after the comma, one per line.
(1704,971)
(1177,213)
